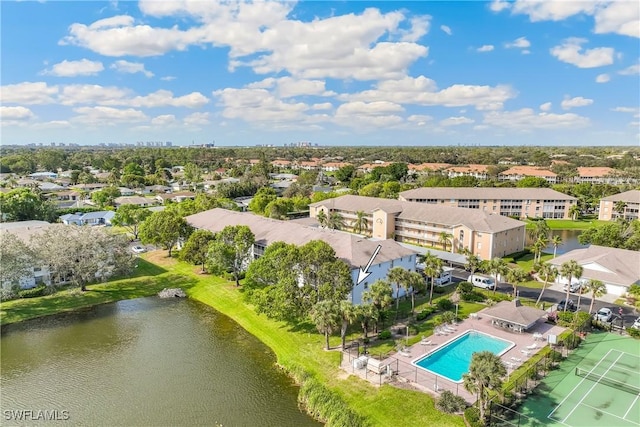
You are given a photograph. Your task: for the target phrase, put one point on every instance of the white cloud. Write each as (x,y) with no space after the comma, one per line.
(197,119)
(527,119)
(552,10)
(83,67)
(485,48)
(162,98)
(620,17)
(577,101)
(419,119)
(53,124)
(419,27)
(377,114)
(287,87)
(115,96)
(627,109)
(164,120)
(15,113)
(519,43)
(28,93)
(167,78)
(446,29)
(130,68)
(107,116)
(456,121)
(546,106)
(499,5)
(632,70)
(603,78)
(571,52)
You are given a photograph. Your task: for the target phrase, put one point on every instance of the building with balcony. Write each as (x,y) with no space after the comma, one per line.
(624,205)
(485,234)
(516,173)
(514,202)
(476,171)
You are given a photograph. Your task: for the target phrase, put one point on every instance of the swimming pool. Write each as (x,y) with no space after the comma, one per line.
(453,358)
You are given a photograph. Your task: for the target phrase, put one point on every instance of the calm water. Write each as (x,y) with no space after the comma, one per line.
(569,241)
(453,359)
(145,362)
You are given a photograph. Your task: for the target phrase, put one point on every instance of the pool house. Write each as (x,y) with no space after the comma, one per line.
(513,316)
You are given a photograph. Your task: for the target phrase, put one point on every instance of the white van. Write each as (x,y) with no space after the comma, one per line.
(445,277)
(482,281)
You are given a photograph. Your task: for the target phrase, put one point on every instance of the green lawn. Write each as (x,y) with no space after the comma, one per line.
(526,262)
(297,347)
(568,224)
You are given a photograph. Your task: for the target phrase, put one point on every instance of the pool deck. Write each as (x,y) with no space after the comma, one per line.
(423,380)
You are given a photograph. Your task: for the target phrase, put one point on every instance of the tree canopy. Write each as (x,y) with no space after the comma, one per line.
(23,204)
(164,228)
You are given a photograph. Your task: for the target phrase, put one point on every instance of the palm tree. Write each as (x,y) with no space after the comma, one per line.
(574,212)
(497,267)
(367,313)
(444,238)
(473,263)
(415,283)
(360,223)
(322,218)
(540,228)
(570,269)
(548,273)
(398,276)
(335,221)
(597,289)
(379,296)
(556,241)
(619,207)
(433,269)
(485,374)
(541,242)
(515,276)
(348,314)
(326,318)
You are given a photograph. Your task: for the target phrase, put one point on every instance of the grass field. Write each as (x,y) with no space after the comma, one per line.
(297,347)
(568,224)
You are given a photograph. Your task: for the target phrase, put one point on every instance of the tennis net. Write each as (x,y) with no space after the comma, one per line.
(620,385)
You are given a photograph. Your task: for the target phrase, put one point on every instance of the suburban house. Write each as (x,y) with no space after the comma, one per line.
(476,171)
(334,166)
(354,250)
(616,268)
(88,218)
(368,167)
(485,234)
(154,189)
(516,173)
(24,230)
(50,186)
(630,200)
(124,191)
(175,197)
(279,163)
(425,168)
(513,202)
(133,200)
(43,175)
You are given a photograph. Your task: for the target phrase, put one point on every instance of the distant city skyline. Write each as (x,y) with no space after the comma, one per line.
(434,73)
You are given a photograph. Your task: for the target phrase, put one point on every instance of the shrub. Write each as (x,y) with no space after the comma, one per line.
(327,406)
(472,297)
(7,294)
(450,403)
(32,293)
(439,289)
(384,335)
(445,304)
(635,333)
(426,312)
(472,415)
(465,288)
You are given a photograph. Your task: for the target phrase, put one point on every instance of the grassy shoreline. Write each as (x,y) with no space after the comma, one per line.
(298,349)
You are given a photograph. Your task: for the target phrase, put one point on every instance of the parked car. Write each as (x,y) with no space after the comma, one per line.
(636,324)
(604,315)
(138,249)
(571,306)
(482,281)
(445,277)
(574,287)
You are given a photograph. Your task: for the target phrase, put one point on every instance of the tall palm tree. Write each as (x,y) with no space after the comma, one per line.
(473,263)
(556,241)
(538,246)
(548,273)
(574,211)
(597,289)
(619,207)
(485,373)
(348,315)
(444,238)
(432,268)
(380,296)
(497,267)
(326,318)
(398,276)
(367,313)
(322,218)
(570,269)
(415,283)
(515,276)
(335,221)
(540,228)
(360,223)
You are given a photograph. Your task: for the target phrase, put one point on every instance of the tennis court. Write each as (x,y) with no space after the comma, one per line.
(599,385)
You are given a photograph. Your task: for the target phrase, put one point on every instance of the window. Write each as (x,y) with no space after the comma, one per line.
(479,245)
(461,236)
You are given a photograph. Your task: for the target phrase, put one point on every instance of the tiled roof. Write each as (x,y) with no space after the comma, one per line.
(492,193)
(528,171)
(354,250)
(632,196)
(469,168)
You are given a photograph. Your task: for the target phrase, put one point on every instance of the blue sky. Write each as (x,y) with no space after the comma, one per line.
(333,73)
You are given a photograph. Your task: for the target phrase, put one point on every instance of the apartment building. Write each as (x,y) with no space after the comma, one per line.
(516,173)
(334,166)
(602,175)
(476,171)
(356,251)
(625,204)
(514,202)
(425,168)
(485,234)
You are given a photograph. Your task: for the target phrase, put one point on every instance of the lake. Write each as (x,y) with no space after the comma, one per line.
(145,362)
(569,241)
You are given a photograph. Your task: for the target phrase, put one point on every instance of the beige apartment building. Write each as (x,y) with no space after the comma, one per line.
(630,200)
(514,202)
(485,234)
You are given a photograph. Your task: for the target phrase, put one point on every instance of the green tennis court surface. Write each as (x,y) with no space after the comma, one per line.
(603,391)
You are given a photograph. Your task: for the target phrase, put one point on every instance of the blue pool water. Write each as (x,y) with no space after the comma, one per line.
(453,358)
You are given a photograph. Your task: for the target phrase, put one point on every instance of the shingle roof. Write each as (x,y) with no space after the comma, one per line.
(628,196)
(485,193)
(528,171)
(623,265)
(515,312)
(446,215)
(354,250)
(595,171)
(24,229)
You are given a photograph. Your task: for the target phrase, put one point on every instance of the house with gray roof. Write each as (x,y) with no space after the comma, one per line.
(616,268)
(24,230)
(513,202)
(514,316)
(88,218)
(486,235)
(353,250)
